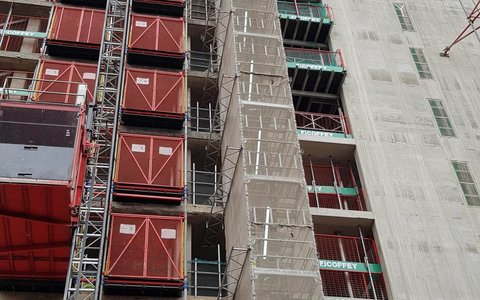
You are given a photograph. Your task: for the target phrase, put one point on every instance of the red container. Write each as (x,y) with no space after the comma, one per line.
(145,250)
(77,25)
(149,165)
(72,72)
(154,93)
(41,181)
(157,35)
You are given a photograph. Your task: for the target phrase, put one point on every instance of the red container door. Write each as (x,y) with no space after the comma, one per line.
(153,92)
(77,25)
(151,163)
(157,34)
(145,248)
(73,73)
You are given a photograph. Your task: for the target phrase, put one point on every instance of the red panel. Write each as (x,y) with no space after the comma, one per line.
(77,25)
(35,233)
(153,92)
(150,163)
(157,34)
(145,248)
(73,73)
(353,285)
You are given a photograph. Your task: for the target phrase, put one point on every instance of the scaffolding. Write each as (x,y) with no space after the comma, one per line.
(87,252)
(270,227)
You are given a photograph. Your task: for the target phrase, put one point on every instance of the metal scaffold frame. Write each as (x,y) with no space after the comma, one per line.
(220,198)
(87,254)
(233,272)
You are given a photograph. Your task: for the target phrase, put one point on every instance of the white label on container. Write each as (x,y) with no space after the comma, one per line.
(51,72)
(138,148)
(140,24)
(127,228)
(165,151)
(89,76)
(168,234)
(144,81)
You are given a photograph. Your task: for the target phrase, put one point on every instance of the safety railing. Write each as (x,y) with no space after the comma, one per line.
(329,175)
(205,277)
(331,186)
(15,30)
(24,88)
(201,118)
(337,201)
(350,267)
(346,248)
(353,285)
(199,61)
(201,185)
(305,9)
(322,122)
(315,57)
(198,9)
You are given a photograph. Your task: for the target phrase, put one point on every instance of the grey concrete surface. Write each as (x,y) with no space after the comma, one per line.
(427,235)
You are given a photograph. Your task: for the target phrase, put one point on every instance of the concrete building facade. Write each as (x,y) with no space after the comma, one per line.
(331,151)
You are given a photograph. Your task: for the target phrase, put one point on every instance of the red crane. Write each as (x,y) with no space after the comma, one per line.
(470,29)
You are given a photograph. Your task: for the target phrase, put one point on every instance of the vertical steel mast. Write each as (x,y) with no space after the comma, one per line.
(86,259)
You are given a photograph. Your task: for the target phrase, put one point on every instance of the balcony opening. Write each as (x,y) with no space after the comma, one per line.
(333,183)
(349,263)
(305,21)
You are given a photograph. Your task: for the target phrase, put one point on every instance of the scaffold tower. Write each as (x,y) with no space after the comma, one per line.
(86,258)
(268,210)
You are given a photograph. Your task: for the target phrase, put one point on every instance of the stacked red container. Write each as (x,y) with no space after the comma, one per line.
(43,147)
(63,77)
(153,97)
(145,250)
(149,167)
(156,41)
(76,32)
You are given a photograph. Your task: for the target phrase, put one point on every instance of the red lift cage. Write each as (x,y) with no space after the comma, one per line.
(36,206)
(152,95)
(70,74)
(149,168)
(145,250)
(156,40)
(75,31)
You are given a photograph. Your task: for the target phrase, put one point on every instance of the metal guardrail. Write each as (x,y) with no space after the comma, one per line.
(315,57)
(322,122)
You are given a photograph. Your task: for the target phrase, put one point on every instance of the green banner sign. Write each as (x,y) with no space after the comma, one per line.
(331,190)
(348,266)
(293,65)
(37,35)
(15,92)
(323,134)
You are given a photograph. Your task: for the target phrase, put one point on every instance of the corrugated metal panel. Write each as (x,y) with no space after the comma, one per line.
(157,34)
(77,25)
(71,72)
(157,93)
(145,248)
(150,164)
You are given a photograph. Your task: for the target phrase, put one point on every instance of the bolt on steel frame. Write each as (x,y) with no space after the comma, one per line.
(87,254)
